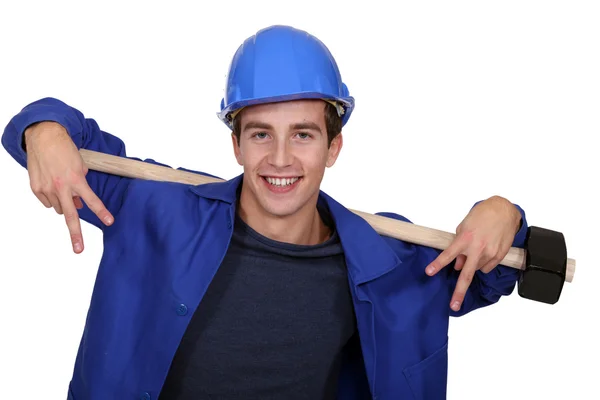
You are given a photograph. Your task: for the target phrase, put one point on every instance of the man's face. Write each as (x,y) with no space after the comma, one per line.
(283,149)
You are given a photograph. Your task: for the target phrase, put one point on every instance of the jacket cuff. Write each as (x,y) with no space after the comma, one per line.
(39,112)
(521,234)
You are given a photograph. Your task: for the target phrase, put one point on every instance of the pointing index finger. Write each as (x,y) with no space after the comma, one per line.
(464,281)
(95,204)
(446,256)
(72,220)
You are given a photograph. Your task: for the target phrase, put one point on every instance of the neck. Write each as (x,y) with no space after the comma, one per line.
(305,227)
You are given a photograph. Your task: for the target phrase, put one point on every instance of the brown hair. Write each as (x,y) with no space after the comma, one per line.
(333,123)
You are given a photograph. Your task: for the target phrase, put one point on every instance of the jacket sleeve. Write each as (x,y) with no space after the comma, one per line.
(485,289)
(86,134)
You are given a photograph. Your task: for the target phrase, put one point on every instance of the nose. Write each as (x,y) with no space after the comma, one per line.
(280,155)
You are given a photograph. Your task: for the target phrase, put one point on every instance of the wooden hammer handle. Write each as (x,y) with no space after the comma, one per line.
(408,232)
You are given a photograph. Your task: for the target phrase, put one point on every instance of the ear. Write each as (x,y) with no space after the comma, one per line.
(236,149)
(334,150)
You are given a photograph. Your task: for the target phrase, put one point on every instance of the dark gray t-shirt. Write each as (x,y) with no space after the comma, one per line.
(272,324)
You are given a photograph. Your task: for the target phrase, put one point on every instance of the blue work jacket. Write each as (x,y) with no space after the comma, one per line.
(166,244)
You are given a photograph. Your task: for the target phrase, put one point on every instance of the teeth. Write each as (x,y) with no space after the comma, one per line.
(281,182)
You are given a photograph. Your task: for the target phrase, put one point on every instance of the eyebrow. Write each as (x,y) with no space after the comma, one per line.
(296,126)
(306,125)
(256,125)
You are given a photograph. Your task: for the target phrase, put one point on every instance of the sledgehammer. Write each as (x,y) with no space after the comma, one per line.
(543,262)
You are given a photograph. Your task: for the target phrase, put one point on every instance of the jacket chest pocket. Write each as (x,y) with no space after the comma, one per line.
(427,379)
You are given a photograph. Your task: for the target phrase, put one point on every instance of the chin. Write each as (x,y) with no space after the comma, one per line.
(280,208)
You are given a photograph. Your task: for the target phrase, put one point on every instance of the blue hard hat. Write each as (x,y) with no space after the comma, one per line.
(282,63)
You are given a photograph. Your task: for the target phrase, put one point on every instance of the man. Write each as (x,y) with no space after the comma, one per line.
(263,286)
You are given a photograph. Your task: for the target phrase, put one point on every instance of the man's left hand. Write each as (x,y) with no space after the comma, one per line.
(482,240)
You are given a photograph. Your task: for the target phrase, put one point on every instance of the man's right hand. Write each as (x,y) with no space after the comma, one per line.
(57,176)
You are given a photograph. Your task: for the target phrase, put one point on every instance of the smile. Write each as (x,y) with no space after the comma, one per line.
(281,185)
(281,182)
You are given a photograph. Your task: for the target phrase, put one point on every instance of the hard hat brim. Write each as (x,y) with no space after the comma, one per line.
(346,102)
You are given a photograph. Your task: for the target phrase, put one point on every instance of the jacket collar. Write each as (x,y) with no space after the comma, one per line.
(368,256)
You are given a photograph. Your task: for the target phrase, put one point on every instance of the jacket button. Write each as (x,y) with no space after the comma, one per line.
(182,309)
(145,396)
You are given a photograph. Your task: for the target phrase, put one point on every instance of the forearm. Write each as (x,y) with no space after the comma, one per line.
(84,132)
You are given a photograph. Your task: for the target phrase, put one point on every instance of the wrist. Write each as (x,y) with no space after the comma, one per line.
(37,127)
(48,129)
(515,214)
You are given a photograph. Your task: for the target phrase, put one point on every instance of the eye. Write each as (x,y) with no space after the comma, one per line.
(260,135)
(304,135)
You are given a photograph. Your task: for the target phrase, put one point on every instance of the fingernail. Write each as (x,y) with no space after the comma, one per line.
(77,247)
(108,220)
(456,306)
(430,270)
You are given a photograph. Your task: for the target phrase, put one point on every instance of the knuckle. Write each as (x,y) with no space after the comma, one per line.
(95,206)
(502,252)
(493,263)
(95,202)
(36,187)
(75,178)
(467,235)
(443,259)
(47,188)
(497,259)
(459,295)
(467,278)
(490,252)
(482,246)
(71,216)
(57,183)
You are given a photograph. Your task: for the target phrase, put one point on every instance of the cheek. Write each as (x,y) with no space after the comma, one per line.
(313,160)
(249,156)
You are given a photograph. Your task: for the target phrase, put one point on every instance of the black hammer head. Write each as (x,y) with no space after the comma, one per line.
(546,265)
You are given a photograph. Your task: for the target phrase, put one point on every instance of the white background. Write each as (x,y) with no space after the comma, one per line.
(456,101)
